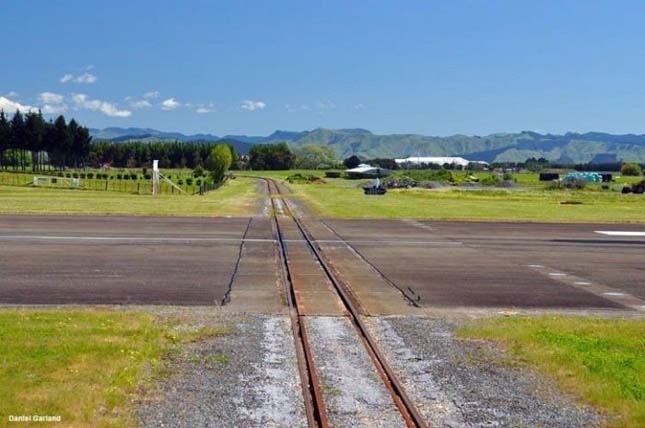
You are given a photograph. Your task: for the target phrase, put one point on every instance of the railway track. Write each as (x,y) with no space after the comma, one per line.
(310,380)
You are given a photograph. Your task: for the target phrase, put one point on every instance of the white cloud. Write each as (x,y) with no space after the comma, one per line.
(86,78)
(151,95)
(50,98)
(205,108)
(12,94)
(139,104)
(81,78)
(326,105)
(82,101)
(170,104)
(53,102)
(359,106)
(54,108)
(251,105)
(10,106)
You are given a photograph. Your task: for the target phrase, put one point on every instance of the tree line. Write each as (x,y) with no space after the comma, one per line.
(134,154)
(28,140)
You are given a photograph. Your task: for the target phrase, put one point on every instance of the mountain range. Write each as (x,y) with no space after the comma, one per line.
(596,147)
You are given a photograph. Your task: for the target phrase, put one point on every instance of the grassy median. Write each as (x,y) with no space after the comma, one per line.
(237,197)
(600,361)
(80,365)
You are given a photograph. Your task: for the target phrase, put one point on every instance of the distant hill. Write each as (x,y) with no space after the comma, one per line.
(151,135)
(512,147)
(123,134)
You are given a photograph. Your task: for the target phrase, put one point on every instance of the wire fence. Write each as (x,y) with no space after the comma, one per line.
(110,184)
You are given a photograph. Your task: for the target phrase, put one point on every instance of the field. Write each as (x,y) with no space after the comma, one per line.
(82,365)
(121,180)
(235,197)
(600,361)
(529,201)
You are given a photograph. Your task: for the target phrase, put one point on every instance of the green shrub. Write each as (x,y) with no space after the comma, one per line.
(133,176)
(90,175)
(631,169)
(119,176)
(75,175)
(491,180)
(578,184)
(304,178)
(147,176)
(82,175)
(189,181)
(180,182)
(442,175)
(126,176)
(332,174)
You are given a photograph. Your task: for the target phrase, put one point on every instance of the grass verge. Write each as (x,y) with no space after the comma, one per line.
(237,197)
(81,365)
(599,361)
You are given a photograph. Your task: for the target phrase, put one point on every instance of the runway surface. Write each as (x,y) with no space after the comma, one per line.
(197,261)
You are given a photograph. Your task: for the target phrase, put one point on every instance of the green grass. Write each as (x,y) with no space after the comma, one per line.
(599,361)
(141,185)
(338,199)
(529,202)
(82,365)
(238,197)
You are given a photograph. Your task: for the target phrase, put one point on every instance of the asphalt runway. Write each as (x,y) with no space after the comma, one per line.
(204,261)
(523,265)
(120,260)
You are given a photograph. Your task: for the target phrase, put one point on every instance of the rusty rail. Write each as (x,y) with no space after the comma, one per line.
(310,381)
(408,410)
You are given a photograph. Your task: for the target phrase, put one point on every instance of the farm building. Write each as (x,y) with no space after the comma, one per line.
(367,171)
(436,160)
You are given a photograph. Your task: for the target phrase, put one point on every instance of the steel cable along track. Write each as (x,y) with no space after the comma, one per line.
(409,412)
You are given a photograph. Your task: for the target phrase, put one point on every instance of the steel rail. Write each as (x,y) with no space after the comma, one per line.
(412,297)
(407,408)
(309,379)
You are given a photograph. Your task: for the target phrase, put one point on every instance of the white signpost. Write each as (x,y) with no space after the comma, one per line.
(155,177)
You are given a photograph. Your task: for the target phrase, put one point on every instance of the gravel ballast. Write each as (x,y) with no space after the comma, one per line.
(459,383)
(354,393)
(245,378)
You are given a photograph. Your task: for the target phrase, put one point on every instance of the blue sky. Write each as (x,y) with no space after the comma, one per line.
(435,68)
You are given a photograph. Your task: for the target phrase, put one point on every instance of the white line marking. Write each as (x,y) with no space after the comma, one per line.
(203,239)
(535,266)
(613,294)
(582,283)
(125,238)
(401,242)
(620,233)
(557,274)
